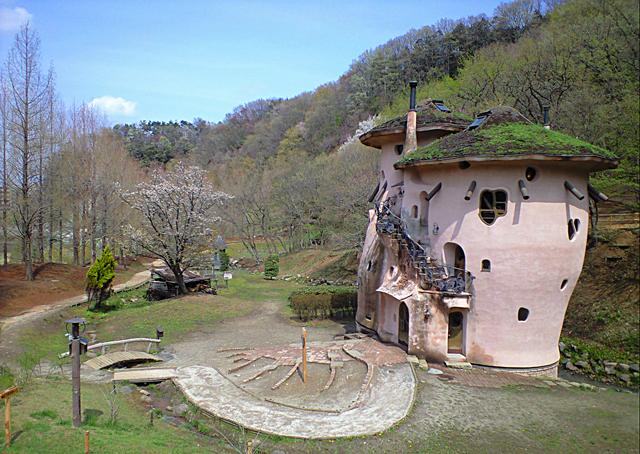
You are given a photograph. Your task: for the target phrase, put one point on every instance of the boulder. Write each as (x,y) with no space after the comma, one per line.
(625,378)
(569,366)
(144,392)
(582,364)
(624,367)
(180,409)
(634,367)
(609,370)
(562,346)
(610,364)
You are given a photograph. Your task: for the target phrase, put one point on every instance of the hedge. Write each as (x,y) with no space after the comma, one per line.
(324,301)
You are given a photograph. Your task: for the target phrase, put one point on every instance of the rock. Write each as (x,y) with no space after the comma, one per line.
(609,370)
(146,399)
(126,389)
(562,346)
(422,364)
(582,364)
(169,408)
(625,378)
(458,365)
(569,366)
(180,409)
(433,371)
(170,419)
(634,367)
(412,359)
(144,392)
(624,367)
(610,364)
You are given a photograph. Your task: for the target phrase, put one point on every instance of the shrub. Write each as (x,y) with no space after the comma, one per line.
(99,278)
(224,260)
(271,266)
(324,301)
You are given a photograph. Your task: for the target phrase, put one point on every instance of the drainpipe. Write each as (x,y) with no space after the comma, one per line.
(411,139)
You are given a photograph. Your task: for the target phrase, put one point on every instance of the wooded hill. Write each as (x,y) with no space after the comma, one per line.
(579,57)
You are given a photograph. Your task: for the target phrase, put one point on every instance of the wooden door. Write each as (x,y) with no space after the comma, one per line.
(403,324)
(456,326)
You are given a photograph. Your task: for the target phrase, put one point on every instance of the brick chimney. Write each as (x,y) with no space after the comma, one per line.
(411,139)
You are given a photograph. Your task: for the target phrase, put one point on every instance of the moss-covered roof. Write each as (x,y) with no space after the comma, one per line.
(426,114)
(504,133)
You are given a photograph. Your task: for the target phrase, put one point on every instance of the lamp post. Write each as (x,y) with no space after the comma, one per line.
(77,345)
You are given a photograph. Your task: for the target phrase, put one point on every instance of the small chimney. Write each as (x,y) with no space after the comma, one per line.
(545,117)
(411,139)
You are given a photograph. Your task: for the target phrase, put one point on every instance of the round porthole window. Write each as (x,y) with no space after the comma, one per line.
(523,314)
(530,174)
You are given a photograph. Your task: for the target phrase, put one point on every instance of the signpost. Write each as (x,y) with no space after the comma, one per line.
(78,346)
(304,355)
(227,276)
(6,396)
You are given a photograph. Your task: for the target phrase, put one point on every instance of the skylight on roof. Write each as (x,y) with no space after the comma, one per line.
(477,122)
(441,107)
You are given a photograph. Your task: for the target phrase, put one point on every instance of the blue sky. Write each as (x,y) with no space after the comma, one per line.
(175,60)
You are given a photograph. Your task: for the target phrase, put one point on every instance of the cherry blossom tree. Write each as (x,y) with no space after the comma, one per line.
(177,210)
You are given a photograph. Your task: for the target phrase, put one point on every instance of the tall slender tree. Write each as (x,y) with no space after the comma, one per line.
(28,89)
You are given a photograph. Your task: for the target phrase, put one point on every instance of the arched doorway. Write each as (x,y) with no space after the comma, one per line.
(403,324)
(455,259)
(456,332)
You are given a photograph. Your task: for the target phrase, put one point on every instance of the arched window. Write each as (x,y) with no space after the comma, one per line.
(493,204)
(414,212)
(486,265)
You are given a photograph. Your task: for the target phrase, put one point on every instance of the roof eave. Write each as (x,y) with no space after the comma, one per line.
(369,138)
(600,163)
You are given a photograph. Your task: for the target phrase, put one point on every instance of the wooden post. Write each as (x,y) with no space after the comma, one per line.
(75,382)
(304,355)
(86,442)
(6,395)
(7,421)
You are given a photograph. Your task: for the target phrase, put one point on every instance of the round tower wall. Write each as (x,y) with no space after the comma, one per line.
(528,248)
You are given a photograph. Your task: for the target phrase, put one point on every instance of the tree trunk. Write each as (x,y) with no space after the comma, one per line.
(60,235)
(76,236)
(177,272)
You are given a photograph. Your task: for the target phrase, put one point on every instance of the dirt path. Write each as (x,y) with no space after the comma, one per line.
(137,280)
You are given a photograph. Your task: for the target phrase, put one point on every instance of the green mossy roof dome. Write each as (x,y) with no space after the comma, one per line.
(505,133)
(426,113)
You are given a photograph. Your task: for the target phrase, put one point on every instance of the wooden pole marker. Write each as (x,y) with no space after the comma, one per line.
(304,355)
(86,442)
(6,395)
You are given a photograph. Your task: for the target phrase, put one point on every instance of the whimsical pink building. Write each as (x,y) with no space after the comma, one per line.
(478,236)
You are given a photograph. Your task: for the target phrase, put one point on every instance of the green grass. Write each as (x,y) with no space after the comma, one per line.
(140,318)
(41,420)
(503,140)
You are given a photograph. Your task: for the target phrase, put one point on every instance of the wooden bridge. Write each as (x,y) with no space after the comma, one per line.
(108,359)
(111,359)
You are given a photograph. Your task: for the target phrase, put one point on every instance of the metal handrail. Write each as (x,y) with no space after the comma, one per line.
(445,278)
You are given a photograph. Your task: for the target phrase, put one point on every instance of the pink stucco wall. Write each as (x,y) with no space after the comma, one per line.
(529,250)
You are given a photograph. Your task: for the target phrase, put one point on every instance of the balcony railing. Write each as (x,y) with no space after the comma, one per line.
(444,278)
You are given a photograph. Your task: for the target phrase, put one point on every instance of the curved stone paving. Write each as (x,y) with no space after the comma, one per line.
(387,401)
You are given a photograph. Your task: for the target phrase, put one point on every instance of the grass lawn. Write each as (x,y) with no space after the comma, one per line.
(41,421)
(139,318)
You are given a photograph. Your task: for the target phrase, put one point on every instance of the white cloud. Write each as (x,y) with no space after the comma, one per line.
(112,105)
(11,19)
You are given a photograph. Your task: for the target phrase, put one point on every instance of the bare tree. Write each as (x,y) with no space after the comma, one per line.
(28,89)
(176,217)
(4,124)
